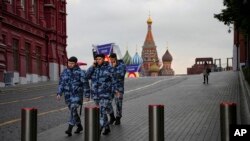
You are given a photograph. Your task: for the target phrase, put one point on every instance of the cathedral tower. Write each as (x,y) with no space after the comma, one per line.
(149,52)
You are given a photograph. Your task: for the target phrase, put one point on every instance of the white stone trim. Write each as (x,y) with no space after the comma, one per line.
(44,78)
(2,84)
(53,71)
(34,78)
(23,80)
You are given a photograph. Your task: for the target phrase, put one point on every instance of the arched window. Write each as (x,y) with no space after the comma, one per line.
(13,4)
(15,46)
(38,60)
(28,57)
(23,4)
(34,7)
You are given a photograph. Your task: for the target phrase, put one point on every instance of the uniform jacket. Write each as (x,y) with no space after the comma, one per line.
(101,81)
(119,72)
(74,85)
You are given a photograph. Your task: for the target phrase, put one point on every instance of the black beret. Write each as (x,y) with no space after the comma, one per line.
(100,55)
(73,59)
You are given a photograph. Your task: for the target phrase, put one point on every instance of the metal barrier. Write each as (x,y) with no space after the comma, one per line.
(156,122)
(29,124)
(92,125)
(228,116)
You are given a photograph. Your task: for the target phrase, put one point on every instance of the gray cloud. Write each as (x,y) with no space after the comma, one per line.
(187,25)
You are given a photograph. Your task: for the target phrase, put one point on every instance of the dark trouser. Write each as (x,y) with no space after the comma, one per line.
(205,78)
(118,104)
(74,117)
(104,106)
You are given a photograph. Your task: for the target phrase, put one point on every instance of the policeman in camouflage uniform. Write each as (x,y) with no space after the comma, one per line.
(100,74)
(119,71)
(74,85)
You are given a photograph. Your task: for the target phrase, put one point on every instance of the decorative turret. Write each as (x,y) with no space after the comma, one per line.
(154,68)
(167,61)
(137,59)
(149,21)
(127,58)
(167,57)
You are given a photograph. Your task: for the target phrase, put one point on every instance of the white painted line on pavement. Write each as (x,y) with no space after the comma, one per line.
(40,114)
(15,101)
(64,108)
(148,85)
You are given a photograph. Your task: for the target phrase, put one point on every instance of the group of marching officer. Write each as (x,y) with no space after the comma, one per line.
(107,84)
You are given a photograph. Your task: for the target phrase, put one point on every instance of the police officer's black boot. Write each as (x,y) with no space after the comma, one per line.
(100,130)
(106,131)
(69,131)
(112,118)
(118,121)
(79,128)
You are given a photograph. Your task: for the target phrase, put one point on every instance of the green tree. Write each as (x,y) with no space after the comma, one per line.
(237,12)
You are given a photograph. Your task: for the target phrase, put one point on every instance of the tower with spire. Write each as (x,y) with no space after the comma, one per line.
(166,69)
(149,52)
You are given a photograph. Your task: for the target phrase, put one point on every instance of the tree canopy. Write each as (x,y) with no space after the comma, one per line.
(237,12)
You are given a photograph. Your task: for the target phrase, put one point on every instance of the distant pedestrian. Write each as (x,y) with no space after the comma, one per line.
(119,71)
(206,71)
(100,74)
(74,85)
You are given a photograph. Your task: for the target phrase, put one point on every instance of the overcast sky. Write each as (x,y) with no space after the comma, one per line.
(186,26)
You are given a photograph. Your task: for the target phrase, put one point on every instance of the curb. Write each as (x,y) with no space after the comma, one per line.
(244,99)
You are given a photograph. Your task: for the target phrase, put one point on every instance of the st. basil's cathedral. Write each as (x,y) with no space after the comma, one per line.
(150,63)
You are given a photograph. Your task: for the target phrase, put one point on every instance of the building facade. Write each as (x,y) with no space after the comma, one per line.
(198,67)
(240,50)
(32,40)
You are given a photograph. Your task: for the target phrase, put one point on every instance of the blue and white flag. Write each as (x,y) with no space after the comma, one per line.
(105,49)
(133,68)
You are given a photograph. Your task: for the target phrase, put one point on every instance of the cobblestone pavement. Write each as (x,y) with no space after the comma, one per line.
(191,109)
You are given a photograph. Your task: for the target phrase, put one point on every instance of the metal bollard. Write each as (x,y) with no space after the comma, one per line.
(156,122)
(92,124)
(228,116)
(29,124)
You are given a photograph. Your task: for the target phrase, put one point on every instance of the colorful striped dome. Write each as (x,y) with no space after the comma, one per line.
(127,58)
(137,59)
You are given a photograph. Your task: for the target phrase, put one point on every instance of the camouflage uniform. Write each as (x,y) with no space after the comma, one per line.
(101,87)
(119,72)
(74,85)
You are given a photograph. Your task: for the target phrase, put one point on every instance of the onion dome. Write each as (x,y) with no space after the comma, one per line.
(167,57)
(137,59)
(149,21)
(127,58)
(154,68)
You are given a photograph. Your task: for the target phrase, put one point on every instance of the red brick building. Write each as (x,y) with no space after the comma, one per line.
(32,40)
(198,67)
(240,40)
